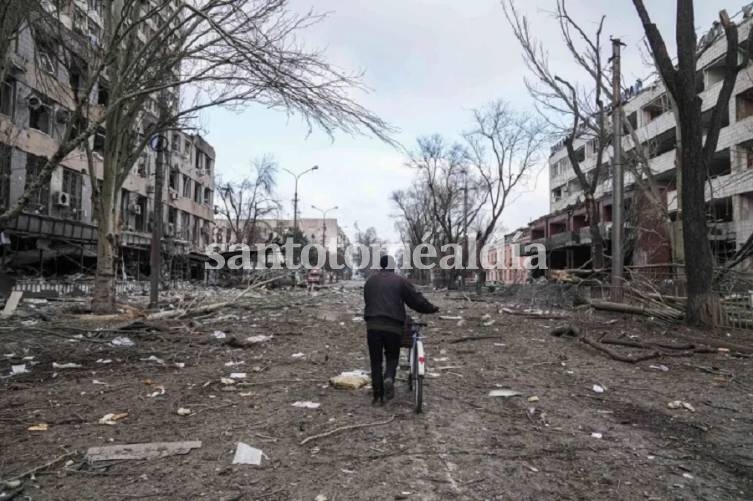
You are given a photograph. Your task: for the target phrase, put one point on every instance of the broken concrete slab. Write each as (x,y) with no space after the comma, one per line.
(152,450)
(11,304)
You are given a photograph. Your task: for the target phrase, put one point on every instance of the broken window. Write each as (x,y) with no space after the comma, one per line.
(103,94)
(7,97)
(40,113)
(744,103)
(143,166)
(176,142)
(73,185)
(656,108)
(6,155)
(39,200)
(99,141)
(46,55)
(207,196)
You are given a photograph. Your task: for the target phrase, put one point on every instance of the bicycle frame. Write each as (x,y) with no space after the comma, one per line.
(417,349)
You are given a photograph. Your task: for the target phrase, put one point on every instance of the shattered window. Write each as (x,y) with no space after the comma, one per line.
(73,185)
(6,153)
(39,201)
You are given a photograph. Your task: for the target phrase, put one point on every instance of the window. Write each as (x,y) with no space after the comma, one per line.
(143,167)
(207,197)
(39,201)
(99,141)
(40,113)
(174,179)
(7,97)
(176,142)
(103,94)
(744,104)
(187,147)
(46,54)
(197,193)
(208,166)
(6,155)
(73,184)
(199,160)
(656,108)
(186,186)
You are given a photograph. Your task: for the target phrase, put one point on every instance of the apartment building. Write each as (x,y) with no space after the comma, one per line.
(57,229)
(315,230)
(729,192)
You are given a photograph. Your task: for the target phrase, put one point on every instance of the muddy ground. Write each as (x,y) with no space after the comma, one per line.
(560,439)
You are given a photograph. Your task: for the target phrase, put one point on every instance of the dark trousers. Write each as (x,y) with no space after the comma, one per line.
(389,343)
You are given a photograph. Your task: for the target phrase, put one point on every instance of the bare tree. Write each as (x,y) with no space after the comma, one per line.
(201,53)
(247,201)
(504,149)
(704,307)
(414,220)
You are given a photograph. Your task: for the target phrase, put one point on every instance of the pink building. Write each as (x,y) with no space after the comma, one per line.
(506,258)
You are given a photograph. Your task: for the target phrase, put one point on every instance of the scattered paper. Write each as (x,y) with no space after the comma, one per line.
(38,427)
(679,404)
(152,358)
(598,388)
(56,365)
(238,375)
(16,370)
(160,391)
(182,411)
(245,454)
(298,355)
(258,339)
(596,435)
(219,335)
(307,405)
(504,393)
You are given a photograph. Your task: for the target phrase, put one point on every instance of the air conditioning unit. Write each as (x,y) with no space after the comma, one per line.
(216,210)
(135,209)
(170,229)
(173,195)
(62,199)
(34,102)
(62,116)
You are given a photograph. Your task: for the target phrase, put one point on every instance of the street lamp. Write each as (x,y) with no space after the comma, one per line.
(324,222)
(295,196)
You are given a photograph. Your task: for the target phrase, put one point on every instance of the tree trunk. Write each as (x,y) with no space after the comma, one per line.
(107,207)
(704,308)
(597,242)
(107,254)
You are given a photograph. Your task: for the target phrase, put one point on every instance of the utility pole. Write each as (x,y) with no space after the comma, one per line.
(465,227)
(158,143)
(324,223)
(295,195)
(618,178)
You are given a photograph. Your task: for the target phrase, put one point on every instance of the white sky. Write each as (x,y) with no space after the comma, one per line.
(427,63)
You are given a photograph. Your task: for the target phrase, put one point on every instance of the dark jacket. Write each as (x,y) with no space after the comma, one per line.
(386,295)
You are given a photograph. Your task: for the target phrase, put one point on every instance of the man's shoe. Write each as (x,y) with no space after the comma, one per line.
(389,389)
(377,400)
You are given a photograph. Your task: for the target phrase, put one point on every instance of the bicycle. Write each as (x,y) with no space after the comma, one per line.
(417,365)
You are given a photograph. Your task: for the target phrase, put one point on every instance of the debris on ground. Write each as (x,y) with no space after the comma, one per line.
(504,393)
(122,341)
(219,335)
(38,427)
(306,404)
(679,404)
(597,388)
(351,380)
(69,365)
(112,418)
(245,454)
(152,450)
(182,411)
(11,304)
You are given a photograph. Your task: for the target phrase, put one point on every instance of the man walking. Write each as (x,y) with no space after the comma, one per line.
(386,295)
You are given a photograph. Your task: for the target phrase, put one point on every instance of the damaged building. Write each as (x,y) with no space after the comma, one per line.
(56,234)
(650,231)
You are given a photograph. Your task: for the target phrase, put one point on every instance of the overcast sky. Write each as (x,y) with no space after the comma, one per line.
(427,63)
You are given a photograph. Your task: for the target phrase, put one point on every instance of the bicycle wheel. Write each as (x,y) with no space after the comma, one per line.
(418,386)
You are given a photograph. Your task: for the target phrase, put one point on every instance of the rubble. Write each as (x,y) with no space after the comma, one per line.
(245,454)
(351,380)
(152,450)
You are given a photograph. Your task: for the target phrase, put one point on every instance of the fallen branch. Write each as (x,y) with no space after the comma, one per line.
(40,468)
(474,338)
(345,428)
(667,312)
(209,308)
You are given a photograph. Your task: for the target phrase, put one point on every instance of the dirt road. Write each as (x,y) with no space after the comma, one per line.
(559,439)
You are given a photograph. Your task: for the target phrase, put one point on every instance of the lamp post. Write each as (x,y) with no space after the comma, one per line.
(324,222)
(295,196)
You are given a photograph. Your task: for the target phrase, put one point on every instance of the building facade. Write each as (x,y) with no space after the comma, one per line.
(729,192)
(59,224)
